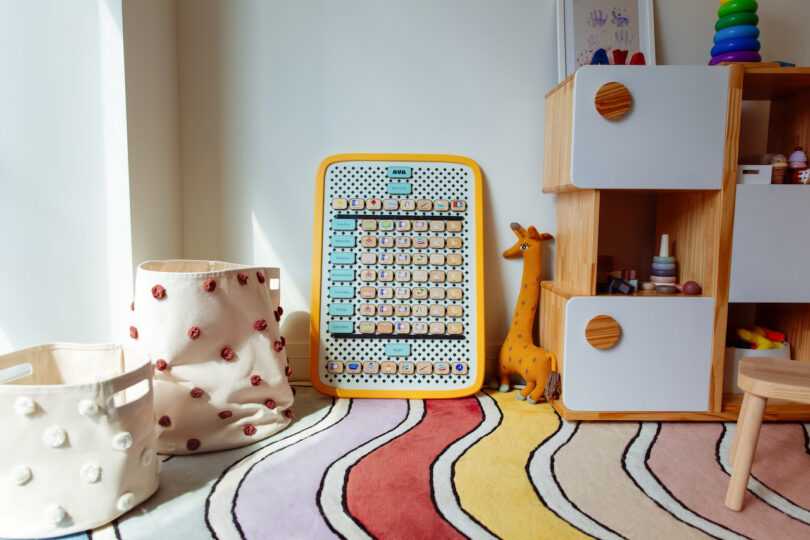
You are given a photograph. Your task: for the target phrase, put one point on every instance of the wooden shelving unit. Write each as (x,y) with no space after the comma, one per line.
(594,222)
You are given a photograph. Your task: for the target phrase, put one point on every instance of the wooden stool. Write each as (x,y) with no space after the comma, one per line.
(760,378)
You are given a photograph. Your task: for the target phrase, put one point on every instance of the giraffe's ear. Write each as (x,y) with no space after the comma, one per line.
(533,234)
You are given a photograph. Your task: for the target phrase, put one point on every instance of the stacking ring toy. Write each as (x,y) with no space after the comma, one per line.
(731,45)
(736,56)
(736,6)
(733,32)
(736,19)
(724,2)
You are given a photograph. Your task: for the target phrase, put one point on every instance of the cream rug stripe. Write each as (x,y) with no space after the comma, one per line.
(332,500)
(636,466)
(220,500)
(766,494)
(593,457)
(542,473)
(444,489)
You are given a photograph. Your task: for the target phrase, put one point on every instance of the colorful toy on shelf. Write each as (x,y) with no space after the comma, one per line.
(779,168)
(757,340)
(798,166)
(691,288)
(518,353)
(736,33)
(664,269)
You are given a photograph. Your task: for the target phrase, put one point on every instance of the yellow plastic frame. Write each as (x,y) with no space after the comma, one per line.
(317,265)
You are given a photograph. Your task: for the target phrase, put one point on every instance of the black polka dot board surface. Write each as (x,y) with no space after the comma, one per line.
(397,277)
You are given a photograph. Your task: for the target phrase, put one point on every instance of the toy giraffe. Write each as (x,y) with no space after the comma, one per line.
(519,354)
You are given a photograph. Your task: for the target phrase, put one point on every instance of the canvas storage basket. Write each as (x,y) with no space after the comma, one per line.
(78,440)
(212,331)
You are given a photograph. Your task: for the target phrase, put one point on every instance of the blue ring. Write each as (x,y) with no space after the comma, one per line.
(731,45)
(739,31)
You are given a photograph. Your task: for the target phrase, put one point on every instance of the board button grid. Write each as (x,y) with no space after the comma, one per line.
(399,277)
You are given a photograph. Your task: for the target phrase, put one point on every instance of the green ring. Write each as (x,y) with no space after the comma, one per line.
(736,19)
(736,6)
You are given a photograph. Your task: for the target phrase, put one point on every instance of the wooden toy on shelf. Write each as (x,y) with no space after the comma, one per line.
(615,199)
(518,353)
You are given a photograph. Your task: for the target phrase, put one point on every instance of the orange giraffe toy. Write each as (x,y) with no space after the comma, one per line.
(519,354)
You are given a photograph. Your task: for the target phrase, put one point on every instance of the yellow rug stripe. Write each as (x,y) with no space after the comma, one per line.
(491,477)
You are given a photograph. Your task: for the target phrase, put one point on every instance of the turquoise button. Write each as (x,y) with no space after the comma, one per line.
(341,257)
(341,275)
(399,188)
(343,224)
(400,172)
(341,292)
(341,310)
(341,327)
(341,241)
(397,349)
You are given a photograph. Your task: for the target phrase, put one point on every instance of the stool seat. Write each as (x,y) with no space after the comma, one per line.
(775,378)
(760,379)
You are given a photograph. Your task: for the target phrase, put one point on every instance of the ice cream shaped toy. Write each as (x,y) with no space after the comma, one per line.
(664,269)
(798,166)
(736,34)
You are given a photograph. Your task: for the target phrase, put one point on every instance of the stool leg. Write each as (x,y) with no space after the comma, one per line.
(748,433)
(736,440)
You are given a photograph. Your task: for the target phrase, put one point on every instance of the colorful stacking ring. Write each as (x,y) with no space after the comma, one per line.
(735,32)
(737,6)
(731,45)
(736,56)
(736,19)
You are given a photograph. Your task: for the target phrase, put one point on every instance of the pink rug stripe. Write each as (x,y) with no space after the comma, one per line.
(782,462)
(389,491)
(700,484)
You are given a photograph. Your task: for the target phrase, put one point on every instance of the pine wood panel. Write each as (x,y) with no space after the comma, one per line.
(724,236)
(789,124)
(776,410)
(763,82)
(577,240)
(794,321)
(692,220)
(552,320)
(558,137)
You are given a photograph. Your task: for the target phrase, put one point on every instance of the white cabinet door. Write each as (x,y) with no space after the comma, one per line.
(661,362)
(770,255)
(672,137)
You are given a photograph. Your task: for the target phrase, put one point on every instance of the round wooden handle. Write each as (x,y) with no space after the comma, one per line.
(613,100)
(602,332)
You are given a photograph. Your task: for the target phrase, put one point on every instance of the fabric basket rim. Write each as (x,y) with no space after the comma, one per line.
(6,388)
(207,267)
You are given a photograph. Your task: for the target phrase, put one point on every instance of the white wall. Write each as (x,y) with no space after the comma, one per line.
(153,121)
(270,88)
(64,204)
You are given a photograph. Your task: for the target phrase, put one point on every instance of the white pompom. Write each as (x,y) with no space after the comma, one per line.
(90,473)
(25,406)
(126,502)
(88,408)
(19,475)
(147,456)
(54,437)
(55,514)
(122,441)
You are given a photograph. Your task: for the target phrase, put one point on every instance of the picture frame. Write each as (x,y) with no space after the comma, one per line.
(584,26)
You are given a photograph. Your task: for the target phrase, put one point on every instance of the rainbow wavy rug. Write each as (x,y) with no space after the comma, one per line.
(487,466)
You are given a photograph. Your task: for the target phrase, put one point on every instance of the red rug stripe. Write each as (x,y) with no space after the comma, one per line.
(389,490)
(700,484)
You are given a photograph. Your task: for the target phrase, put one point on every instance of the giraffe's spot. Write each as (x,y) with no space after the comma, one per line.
(515,323)
(525,346)
(534,307)
(520,361)
(510,347)
(523,303)
(537,278)
(520,336)
(534,359)
(527,372)
(525,285)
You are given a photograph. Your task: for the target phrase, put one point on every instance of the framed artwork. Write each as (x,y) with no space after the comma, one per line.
(585,26)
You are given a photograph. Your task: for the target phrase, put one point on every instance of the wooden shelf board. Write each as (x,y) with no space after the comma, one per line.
(776,411)
(768,82)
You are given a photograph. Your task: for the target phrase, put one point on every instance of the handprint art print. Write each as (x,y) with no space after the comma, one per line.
(621,28)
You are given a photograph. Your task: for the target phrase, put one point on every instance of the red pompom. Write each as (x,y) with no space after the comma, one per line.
(225,414)
(249,429)
(196,392)
(133,332)
(288,413)
(193,444)
(242,278)
(260,325)
(227,354)
(194,332)
(209,285)
(165,421)
(270,404)
(260,277)
(278,346)
(159,292)
(255,380)
(160,365)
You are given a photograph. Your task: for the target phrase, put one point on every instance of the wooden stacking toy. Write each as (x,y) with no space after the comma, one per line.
(664,273)
(737,33)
